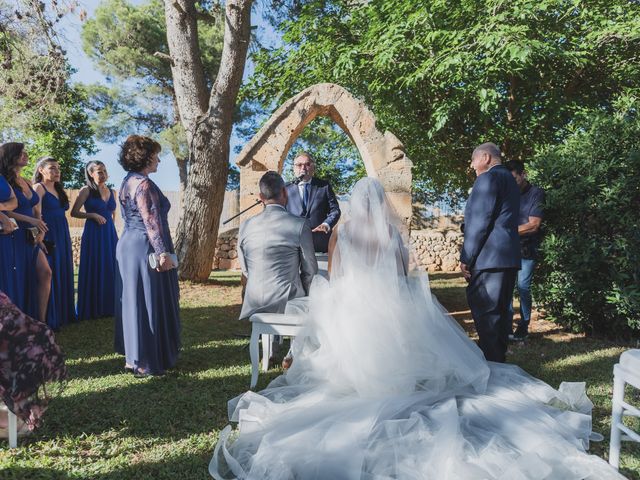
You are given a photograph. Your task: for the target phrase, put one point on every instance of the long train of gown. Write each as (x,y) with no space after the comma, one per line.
(386,385)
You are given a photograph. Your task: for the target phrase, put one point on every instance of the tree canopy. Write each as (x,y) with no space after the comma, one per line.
(38,106)
(128,44)
(446,76)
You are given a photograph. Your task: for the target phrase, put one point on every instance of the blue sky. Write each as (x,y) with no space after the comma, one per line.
(167,175)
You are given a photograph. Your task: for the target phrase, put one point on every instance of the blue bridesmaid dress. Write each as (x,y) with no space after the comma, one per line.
(26,255)
(7,252)
(147,327)
(96,275)
(60,260)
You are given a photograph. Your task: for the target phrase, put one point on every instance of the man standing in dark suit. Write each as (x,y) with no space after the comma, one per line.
(313,199)
(490,256)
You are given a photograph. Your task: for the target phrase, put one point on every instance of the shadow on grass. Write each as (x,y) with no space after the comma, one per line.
(192,467)
(213,367)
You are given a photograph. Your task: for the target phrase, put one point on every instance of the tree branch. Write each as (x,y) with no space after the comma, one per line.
(164,56)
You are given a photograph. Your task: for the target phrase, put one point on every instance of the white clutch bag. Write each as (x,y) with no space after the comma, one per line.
(154,260)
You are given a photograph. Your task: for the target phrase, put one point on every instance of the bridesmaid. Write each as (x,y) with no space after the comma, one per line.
(147,313)
(54,202)
(96,276)
(8,201)
(33,274)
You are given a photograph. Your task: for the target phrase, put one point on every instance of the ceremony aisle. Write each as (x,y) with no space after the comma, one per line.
(108,425)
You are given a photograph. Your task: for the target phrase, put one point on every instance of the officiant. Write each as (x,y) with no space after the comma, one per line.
(313,199)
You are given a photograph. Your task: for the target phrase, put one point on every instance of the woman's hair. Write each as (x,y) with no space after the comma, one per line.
(94,191)
(136,152)
(9,154)
(38,178)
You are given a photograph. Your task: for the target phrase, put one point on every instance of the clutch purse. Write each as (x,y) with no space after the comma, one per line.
(32,235)
(154,260)
(12,220)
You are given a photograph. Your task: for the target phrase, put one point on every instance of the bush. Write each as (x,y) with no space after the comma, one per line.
(588,278)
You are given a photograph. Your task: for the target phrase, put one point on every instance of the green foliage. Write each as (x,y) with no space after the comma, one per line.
(589,279)
(122,39)
(446,76)
(336,158)
(37,105)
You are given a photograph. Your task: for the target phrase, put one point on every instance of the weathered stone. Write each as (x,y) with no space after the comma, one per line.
(382,153)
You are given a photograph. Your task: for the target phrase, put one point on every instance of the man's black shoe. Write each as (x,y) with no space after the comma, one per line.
(520,335)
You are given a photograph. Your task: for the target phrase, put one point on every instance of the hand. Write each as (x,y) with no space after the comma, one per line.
(7,225)
(39,224)
(323,227)
(165,263)
(98,218)
(465,271)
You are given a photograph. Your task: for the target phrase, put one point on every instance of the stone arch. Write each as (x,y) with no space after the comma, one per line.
(382,153)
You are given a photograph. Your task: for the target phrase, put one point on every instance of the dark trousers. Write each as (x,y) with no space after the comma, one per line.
(489,295)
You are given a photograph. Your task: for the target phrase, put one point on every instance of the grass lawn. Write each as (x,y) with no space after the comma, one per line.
(108,425)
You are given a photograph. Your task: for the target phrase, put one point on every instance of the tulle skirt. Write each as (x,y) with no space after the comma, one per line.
(386,385)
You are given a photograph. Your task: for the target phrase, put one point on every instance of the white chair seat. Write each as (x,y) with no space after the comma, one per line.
(264,325)
(276,319)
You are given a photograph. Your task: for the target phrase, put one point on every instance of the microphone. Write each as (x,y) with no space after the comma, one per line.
(296,180)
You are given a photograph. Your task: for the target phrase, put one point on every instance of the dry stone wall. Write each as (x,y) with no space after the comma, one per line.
(435,250)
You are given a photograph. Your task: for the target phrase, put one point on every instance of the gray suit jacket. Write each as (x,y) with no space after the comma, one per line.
(275,249)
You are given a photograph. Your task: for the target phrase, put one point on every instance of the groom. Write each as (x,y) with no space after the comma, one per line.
(490,256)
(275,250)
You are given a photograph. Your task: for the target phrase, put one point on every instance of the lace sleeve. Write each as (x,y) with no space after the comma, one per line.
(148,201)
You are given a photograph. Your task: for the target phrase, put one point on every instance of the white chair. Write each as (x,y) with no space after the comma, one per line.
(12,426)
(264,325)
(627,371)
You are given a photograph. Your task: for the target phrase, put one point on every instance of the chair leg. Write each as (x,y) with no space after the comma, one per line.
(13,429)
(254,354)
(266,351)
(616,418)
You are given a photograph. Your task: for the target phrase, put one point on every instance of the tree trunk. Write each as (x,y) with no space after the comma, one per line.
(208,133)
(182,172)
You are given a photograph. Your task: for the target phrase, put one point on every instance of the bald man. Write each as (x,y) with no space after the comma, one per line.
(490,256)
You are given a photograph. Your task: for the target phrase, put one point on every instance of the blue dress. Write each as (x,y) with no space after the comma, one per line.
(96,275)
(26,255)
(60,260)
(7,252)
(147,329)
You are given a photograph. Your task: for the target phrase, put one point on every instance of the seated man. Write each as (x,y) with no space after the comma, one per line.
(275,250)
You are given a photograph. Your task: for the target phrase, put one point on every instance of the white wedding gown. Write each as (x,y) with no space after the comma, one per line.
(386,385)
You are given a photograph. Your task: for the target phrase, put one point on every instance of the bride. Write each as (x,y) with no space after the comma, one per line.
(386,385)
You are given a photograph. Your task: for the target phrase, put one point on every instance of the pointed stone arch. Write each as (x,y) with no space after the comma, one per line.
(383,154)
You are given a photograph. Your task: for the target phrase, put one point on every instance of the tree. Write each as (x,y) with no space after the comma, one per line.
(37,104)
(446,76)
(207,117)
(589,276)
(128,44)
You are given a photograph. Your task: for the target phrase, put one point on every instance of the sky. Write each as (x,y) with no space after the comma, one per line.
(70,29)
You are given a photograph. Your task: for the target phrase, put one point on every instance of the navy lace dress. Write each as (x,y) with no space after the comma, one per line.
(96,274)
(147,329)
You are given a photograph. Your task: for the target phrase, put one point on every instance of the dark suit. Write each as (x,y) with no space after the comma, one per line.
(491,251)
(322,207)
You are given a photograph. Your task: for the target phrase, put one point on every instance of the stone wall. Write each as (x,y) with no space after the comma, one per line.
(435,250)
(226,256)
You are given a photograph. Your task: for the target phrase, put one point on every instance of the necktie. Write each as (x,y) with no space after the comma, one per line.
(305,196)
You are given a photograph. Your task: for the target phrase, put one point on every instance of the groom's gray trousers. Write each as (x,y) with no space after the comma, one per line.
(489,295)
